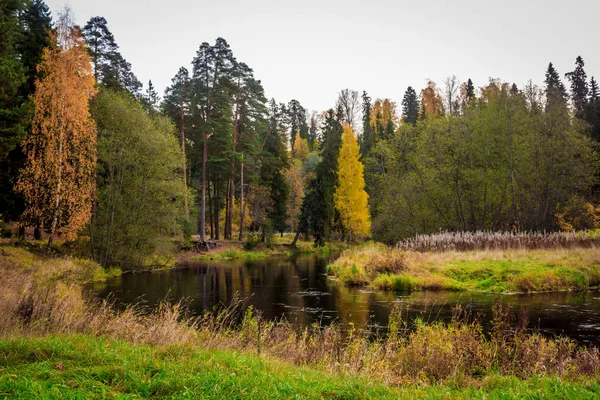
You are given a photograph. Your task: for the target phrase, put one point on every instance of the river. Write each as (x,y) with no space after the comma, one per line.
(298,289)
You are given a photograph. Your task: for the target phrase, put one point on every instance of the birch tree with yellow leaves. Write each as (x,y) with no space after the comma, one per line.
(58,178)
(351,199)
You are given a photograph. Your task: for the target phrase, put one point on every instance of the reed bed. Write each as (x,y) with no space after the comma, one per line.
(488,240)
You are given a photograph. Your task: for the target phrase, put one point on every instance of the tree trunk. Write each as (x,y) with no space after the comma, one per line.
(203,193)
(241,237)
(183,162)
(216,211)
(293,244)
(57,198)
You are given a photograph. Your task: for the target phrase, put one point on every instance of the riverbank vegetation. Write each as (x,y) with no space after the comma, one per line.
(488,270)
(50,332)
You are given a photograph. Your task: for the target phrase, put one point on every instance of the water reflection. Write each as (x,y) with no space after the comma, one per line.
(298,289)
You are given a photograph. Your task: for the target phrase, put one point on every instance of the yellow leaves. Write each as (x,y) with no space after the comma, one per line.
(300,149)
(351,199)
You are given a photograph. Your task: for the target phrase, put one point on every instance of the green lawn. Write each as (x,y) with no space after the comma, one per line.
(85,367)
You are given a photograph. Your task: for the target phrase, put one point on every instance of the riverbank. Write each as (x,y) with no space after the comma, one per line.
(279,247)
(495,271)
(56,342)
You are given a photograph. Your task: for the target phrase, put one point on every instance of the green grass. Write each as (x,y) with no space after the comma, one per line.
(279,248)
(493,271)
(86,367)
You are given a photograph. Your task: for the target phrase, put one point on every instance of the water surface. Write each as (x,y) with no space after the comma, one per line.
(298,289)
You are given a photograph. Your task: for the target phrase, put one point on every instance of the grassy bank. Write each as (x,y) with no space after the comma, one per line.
(236,250)
(79,366)
(502,270)
(56,343)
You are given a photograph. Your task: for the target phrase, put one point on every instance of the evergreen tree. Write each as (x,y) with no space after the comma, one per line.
(151,99)
(350,195)
(297,121)
(470,92)
(556,94)
(275,161)
(366,142)
(176,105)
(108,65)
(13,112)
(212,114)
(410,106)
(35,24)
(313,132)
(579,87)
(318,208)
(593,110)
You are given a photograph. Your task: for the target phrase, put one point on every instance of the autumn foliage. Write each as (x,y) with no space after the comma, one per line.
(350,195)
(58,178)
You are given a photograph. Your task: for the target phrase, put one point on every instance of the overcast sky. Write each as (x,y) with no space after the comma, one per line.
(310,50)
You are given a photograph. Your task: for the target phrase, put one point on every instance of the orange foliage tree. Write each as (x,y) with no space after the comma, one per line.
(58,178)
(431,101)
(351,199)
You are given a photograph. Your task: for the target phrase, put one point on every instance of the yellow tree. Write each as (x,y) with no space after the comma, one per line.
(300,148)
(350,195)
(58,178)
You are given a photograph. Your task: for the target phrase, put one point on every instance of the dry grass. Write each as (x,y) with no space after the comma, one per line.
(495,270)
(427,353)
(486,240)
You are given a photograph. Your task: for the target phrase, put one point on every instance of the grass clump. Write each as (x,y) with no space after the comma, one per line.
(511,270)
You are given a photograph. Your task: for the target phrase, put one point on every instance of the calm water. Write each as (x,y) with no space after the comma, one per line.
(298,289)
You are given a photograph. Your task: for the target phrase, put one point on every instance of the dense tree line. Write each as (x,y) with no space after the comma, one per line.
(216,158)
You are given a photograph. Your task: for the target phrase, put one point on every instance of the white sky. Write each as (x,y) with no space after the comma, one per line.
(310,50)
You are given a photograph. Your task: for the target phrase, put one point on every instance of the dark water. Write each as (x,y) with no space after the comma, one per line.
(299,290)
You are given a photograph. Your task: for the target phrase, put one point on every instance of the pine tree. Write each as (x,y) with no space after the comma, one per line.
(151,99)
(579,87)
(410,106)
(212,111)
(109,66)
(176,105)
(556,94)
(58,178)
(350,195)
(366,142)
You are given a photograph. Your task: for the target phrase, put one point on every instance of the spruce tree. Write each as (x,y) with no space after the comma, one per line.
(275,161)
(579,87)
(470,90)
(296,115)
(13,113)
(556,94)
(318,208)
(410,106)
(366,142)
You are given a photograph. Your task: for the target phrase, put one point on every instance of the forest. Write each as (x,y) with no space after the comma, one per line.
(214,242)
(88,155)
